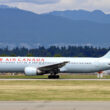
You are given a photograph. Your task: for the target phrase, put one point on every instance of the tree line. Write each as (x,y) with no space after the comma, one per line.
(53,51)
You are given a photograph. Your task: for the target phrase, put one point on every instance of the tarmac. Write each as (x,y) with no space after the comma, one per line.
(54,105)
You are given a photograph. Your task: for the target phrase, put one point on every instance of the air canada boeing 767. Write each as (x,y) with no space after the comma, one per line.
(32,66)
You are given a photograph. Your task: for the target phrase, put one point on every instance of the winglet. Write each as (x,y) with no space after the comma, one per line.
(107,55)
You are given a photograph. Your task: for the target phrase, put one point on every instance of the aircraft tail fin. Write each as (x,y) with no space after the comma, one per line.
(107,55)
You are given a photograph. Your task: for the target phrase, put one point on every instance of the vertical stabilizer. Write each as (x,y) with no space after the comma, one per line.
(107,55)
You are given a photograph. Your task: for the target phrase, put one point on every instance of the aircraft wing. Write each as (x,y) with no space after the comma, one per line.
(53,66)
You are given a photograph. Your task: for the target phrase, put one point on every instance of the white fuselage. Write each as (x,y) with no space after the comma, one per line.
(74,65)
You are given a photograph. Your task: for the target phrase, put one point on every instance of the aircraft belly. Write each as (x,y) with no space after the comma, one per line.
(81,68)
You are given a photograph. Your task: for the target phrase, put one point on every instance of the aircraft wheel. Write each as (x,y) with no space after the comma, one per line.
(50,77)
(57,76)
(53,77)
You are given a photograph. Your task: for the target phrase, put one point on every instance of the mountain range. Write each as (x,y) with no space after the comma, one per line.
(20,27)
(95,16)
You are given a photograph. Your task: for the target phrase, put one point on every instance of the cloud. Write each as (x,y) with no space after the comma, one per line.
(31,1)
(44,6)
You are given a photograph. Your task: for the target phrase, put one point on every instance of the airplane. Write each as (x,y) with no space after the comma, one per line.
(33,66)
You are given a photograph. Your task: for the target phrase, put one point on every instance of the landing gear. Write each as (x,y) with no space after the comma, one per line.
(53,77)
(54,74)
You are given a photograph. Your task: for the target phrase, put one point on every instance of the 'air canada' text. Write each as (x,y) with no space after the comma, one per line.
(23,59)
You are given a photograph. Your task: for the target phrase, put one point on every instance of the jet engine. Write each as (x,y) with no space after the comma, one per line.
(32,71)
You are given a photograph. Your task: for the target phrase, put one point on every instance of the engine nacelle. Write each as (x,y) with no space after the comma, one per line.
(31,71)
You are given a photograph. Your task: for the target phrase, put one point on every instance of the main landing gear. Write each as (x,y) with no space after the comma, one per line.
(54,75)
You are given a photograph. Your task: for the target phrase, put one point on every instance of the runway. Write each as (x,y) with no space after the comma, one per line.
(54,105)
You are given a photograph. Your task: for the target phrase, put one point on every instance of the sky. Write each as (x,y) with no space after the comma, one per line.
(45,6)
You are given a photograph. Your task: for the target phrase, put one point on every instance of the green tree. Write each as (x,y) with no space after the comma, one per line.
(57,55)
(3,55)
(13,55)
(29,55)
